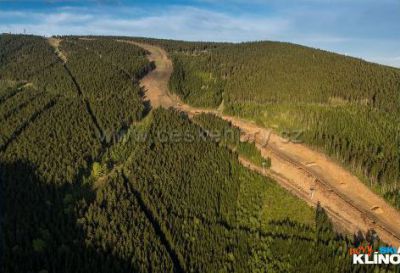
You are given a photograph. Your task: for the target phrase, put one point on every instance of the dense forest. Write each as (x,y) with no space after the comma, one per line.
(344,106)
(105,85)
(88,185)
(206,202)
(228,135)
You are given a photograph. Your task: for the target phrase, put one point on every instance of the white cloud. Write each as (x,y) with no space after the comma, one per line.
(191,23)
(66,18)
(175,22)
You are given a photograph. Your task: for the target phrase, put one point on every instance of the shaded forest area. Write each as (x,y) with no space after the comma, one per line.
(344,106)
(71,202)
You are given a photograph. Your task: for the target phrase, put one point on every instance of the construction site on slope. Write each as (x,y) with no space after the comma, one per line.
(306,173)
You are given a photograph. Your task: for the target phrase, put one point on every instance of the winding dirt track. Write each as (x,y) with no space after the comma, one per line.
(304,172)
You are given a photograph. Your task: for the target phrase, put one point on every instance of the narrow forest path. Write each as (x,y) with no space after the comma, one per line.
(55,43)
(306,173)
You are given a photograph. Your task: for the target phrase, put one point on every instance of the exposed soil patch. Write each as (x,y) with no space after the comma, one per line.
(377,209)
(55,43)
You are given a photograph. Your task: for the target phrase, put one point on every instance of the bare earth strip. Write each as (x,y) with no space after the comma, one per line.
(55,43)
(306,173)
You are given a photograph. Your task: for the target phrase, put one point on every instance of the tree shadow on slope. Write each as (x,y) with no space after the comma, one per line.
(38,226)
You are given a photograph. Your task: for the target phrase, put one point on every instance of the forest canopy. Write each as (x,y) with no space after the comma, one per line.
(78,193)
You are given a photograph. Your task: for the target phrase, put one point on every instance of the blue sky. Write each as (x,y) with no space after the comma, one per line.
(369,29)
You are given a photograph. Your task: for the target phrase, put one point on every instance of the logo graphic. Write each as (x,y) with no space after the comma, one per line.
(384,255)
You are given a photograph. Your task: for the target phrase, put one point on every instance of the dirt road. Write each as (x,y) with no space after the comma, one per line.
(304,172)
(55,43)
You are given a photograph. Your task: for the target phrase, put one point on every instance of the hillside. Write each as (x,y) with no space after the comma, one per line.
(303,171)
(346,107)
(90,184)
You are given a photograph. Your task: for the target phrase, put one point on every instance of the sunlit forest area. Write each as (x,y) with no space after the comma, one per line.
(73,198)
(344,106)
